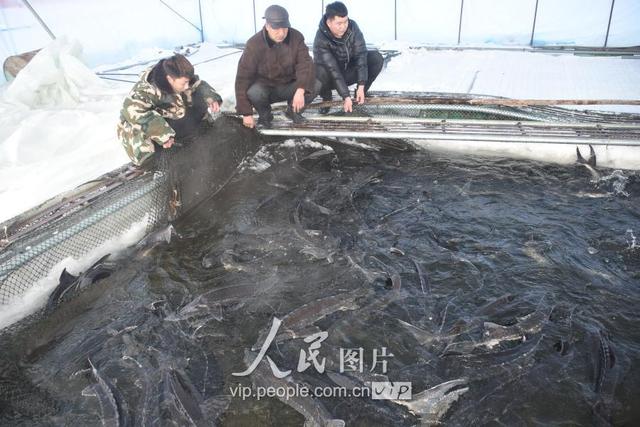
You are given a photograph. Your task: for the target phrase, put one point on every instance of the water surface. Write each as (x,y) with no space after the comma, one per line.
(430,253)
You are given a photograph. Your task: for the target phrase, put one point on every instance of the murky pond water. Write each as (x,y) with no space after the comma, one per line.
(499,291)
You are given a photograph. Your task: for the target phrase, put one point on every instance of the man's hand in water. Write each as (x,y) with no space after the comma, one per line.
(248,121)
(214,107)
(169,143)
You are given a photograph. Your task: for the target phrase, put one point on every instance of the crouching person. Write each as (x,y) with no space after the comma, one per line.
(168,102)
(341,57)
(275,66)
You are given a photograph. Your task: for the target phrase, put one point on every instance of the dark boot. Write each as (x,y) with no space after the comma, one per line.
(296,118)
(326,97)
(265,119)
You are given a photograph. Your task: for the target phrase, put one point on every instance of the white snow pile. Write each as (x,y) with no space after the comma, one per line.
(55,77)
(57,129)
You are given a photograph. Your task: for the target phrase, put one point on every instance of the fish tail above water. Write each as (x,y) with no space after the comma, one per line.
(590,163)
(592,157)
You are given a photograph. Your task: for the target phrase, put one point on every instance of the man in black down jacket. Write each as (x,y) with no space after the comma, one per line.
(341,56)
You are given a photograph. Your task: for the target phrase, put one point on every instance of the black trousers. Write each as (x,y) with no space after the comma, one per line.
(188,125)
(262,96)
(375,61)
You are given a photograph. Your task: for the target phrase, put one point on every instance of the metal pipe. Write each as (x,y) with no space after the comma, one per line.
(218,57)
(501,123)
(451,137)
(182,17)
(460,23)
(201,23)
(533,28)
(35,14)
(115,80)
(395,19)
(606,39)
(255,23)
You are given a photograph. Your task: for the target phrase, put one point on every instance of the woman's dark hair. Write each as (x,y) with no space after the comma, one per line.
(176,66)
(337,8)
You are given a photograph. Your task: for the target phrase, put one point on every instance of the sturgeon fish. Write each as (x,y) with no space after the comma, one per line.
(495,334)
(314,412)
(306,315)
(112,405)
(432,404)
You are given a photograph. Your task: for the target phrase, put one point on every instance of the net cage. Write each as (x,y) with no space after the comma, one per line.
(92,220)
(87,221)
(454,106)
(443,116)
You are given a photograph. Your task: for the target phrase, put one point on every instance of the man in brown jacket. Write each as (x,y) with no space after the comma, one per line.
(275,66)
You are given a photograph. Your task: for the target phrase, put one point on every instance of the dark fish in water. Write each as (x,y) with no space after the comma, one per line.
(424,283)
(70,283)
(529,324)
(210,303)
(308,314)
(604,378)
(495,334)
(314,412)
(605,362)
(492,307)
(112,406)
(181,396)
(432,404)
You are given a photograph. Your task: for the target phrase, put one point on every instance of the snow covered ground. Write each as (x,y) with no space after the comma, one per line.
(57,119)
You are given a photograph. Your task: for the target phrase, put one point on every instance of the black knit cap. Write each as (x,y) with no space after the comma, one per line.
(277,16)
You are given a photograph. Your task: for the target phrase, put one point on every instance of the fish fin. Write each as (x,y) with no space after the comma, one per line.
(67,278)
(419,334)
(592,157)
(67,281)
(581,159)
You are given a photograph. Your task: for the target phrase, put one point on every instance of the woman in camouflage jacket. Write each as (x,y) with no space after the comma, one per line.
(168,102)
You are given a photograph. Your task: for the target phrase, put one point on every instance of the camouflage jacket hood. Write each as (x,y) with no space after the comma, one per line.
(145,110)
